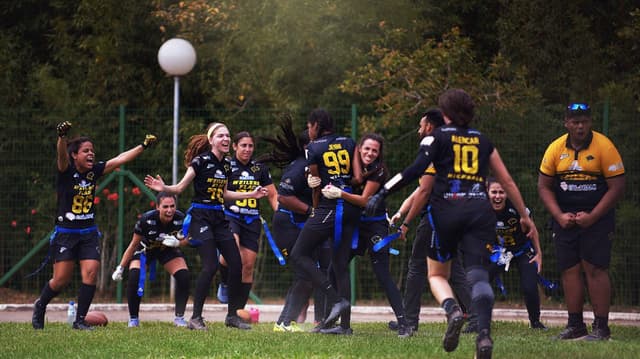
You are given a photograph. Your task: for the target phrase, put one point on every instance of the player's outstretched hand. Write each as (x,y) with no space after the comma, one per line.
(149,140)
(155,183)
(62,128)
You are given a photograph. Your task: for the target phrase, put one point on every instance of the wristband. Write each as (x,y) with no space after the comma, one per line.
(309,211)
(144,147)
(405,224)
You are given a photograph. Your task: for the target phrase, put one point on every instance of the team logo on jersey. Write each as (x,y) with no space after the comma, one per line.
(152,232)
(151,222)
(590,158)
(90,176)
(219,174)
(70,216)
(210,165)
(255,168)
(204,229)
(575,166)
(62,249)
(563,156)
(615,167)
(427,141)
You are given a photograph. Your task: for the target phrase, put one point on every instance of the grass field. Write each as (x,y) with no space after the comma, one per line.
(370,340)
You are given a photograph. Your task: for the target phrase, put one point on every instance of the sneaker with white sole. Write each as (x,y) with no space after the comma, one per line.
(179,322)
(133,323)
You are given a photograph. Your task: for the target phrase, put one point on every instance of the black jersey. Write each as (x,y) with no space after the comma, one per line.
(152,229)
(508,231)
(376,173)
(333,154)
(245,178)
(461,160)
(211,178)
(76,192)
(294,183)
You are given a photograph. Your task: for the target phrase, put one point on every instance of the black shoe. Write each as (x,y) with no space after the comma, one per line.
(538,325)
(82,325)
(405,331)
(484,345)
(573,333)
(37,319)
(598,332)
(234,321)
(470,328)
(455,321)
(337,309)
(337,331)
(393,325)
(197,324)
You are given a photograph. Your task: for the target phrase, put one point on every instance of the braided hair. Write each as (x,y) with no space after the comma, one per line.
(286,146)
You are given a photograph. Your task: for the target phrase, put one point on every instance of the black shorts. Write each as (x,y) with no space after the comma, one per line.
(370,233)
(71,246)
(209,225)
(284,232)
(164,254)
(591,244)
(468,225)
(249,233)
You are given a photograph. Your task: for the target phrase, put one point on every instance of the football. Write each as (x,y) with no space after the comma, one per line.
(244,315)
(96,318)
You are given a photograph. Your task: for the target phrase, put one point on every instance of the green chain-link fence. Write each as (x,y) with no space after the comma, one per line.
(27,194)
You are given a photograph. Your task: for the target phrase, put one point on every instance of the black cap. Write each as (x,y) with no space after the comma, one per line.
(577,109)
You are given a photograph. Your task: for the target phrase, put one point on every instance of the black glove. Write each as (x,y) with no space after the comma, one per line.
(62,128)
(375,202)
(148,141)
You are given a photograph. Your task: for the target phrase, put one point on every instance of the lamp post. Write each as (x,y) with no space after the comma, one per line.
(177,58)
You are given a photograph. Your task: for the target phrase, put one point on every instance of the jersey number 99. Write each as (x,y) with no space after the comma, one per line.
(337,163)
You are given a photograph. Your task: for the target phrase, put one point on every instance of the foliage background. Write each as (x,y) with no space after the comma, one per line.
(523,61)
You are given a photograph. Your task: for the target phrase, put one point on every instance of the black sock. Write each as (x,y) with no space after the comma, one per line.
(244,295)
(575,320)
(182,291)
(85,297)
(449,305)
(601,322)
(47,294)
(133,301)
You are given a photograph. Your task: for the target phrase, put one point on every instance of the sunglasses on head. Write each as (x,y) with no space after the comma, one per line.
(578,107)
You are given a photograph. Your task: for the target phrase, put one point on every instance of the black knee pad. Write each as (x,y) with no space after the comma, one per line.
(478,279)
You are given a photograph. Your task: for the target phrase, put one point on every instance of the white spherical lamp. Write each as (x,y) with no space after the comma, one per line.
(177,57)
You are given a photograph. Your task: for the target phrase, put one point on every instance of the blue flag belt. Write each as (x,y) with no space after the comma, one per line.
(272,242)
(187,219)
(291,218)
(248,218)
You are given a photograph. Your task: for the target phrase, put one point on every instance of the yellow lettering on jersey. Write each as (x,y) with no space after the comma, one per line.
(335,146)
(465,140)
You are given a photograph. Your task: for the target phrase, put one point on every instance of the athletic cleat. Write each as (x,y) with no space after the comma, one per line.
(291,328)
(573,333)
(470,328)
(179,322)
(322,325)
(455,321)
(393,325)
(133,323)
(82,325)
(538,325)
(598,332)
(405,331)
(337,331)
(234,321)
(196,324)
(484,345)
(223,293)
(337,309)
(37,319)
